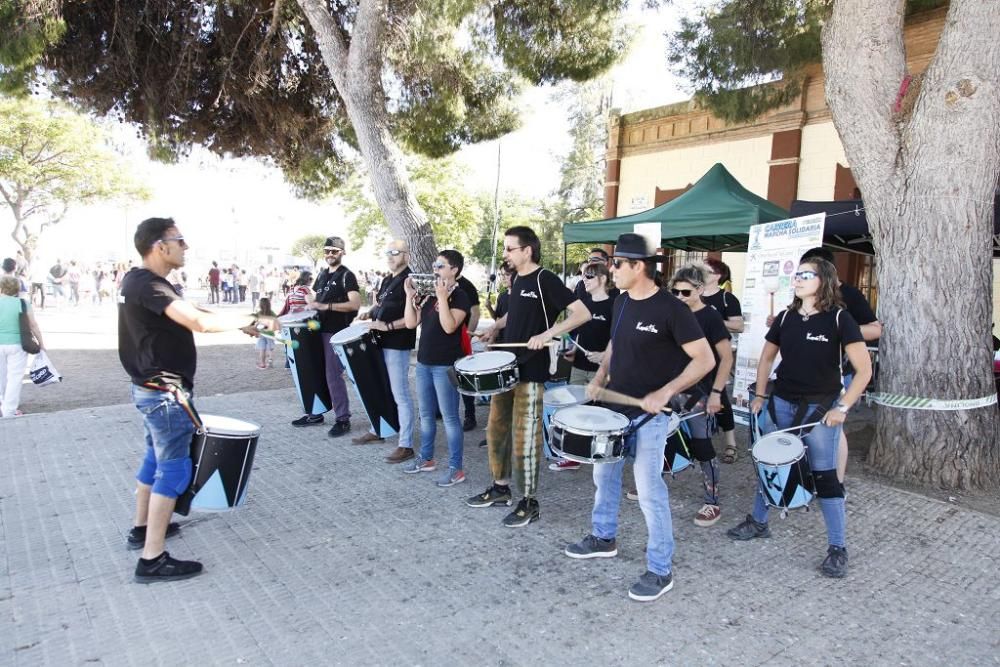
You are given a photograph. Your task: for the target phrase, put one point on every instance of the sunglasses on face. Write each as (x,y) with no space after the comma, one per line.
(681,292)
(180,240)
(506,249)
(332,251)
(589,276)
(440,265)
(617,263)
(805,275)
(394,253)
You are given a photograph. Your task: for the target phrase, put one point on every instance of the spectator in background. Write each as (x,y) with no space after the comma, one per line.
(214,280)
(10,271)
(38,278)
(243,282)
(13,358)
(73,277)
(253,282)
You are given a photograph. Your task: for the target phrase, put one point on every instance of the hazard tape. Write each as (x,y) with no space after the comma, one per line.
(914,403)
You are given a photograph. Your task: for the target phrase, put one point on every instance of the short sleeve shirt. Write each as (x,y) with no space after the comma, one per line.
(724,303)
(438,348)
(595,334)
(647,337)
(391,302)
(526,317)
(150,344)
(715,331)
(811,351)
(470,290)
(333,287)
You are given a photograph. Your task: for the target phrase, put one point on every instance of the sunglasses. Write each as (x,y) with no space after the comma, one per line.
(332,251)
(520,247)
(180,240)
(805,275)
(681,292)
(394,253)
(617,263)
(440,265)
(589,276)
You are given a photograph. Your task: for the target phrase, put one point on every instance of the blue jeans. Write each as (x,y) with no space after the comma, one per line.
(168,431)
(647,447)
(437,392)
(397,362)
(821,449)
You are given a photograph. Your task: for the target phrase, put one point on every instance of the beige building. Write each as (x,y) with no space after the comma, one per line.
(790,153)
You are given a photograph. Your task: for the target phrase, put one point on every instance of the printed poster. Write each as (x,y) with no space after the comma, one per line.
(773,253)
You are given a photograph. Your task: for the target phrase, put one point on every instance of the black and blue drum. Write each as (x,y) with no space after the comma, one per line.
(222,457)
(783,471)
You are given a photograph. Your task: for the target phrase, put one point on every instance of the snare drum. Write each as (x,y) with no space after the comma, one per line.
(486,373)
(365,366)
(222,458)
(589,434)
(783,471)
(556,398)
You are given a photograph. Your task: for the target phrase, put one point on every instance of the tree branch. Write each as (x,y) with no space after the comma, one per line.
(332,41)
(364,61)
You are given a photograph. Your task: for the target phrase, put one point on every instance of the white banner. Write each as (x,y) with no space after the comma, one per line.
(772,257)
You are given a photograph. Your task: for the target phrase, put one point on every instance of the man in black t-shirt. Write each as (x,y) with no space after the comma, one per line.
(537,298)
(338,299)
(156,349)
(657,350)
(396,342)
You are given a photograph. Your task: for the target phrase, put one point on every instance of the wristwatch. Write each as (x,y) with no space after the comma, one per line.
(843,408)
(716,391)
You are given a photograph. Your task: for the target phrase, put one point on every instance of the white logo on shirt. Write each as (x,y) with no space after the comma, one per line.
(599,317)
(529,294)
(820,337)
(650,328)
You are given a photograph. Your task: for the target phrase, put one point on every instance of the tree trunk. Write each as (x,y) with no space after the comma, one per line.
(355,66)
(928,182)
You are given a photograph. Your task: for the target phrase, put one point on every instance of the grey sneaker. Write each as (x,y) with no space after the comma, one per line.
(650,586)
(452,477)
(592,547)
(748,530)
(835,564)
(417,464)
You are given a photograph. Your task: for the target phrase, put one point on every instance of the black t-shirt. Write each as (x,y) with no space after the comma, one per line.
(581,293)
(811,351)
(333,287)
(595,334)
(724,303)
(503,303)
(646,337)
(150,344)
(859,308)
(438,348)
(470,290)
(391,301)
(715,331)
(526,317)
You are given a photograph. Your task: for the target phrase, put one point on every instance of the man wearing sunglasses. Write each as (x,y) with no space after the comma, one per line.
(657,350)
(338,299)
(156,349)
(396,342)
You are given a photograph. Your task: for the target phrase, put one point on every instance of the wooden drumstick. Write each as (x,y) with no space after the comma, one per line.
(549,344)
(619,398)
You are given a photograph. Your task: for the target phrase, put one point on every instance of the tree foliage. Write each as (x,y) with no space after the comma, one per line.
(726,50)
(51,158)
(310,246)
(246,77)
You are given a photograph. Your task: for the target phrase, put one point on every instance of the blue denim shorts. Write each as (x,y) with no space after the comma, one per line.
(169,430)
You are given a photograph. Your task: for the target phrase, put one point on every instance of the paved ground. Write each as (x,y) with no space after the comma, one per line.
(338,558)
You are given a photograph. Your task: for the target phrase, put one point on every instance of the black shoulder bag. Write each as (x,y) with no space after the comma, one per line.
(28,341)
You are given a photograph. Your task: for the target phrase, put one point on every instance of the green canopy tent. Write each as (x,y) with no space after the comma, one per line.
(715,214)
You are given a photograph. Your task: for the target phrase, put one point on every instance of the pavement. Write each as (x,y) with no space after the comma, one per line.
(338,558)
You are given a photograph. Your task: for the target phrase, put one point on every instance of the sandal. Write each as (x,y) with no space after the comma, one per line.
(729,454)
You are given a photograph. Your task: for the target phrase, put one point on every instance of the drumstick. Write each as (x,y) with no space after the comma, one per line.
(550,343)
(294,344)
(618,398)
(575,344)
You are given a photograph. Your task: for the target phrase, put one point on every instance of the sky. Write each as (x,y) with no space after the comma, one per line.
(242,211)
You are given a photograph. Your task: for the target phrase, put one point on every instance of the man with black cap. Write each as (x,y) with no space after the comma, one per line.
(338,299)
(657,350)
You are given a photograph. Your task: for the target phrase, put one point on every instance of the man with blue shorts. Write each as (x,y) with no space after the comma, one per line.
(156,349)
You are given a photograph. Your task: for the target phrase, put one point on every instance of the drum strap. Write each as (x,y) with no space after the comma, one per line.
(800,414)
(182,399)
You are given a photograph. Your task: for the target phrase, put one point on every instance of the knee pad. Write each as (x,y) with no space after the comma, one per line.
(827,484)
(172,477)
(147,469)
(702,449)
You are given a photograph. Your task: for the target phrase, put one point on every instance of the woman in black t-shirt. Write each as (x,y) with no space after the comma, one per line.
(595,334)
(688,284)
(810,336)
(441,317)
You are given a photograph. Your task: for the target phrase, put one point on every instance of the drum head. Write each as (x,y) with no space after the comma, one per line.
(559,397)
(778,449)
(297,317)
(590,419)
(485,361)
(218,425)
(349,335)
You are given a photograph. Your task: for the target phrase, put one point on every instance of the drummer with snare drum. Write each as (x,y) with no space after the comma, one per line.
(156,348)
(654,337)
(537,297)
(810,335)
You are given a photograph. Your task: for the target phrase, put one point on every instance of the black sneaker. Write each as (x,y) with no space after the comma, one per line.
(165,568)
(339,428)
(748,530)
(650,586)
(525,513)
(308,420)
(482,443)
(137,536)
(835,564)
(494,495)
(592,547)
(470,423)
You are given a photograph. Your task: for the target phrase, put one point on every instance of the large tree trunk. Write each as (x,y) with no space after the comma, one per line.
(928,182)
(355,65)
